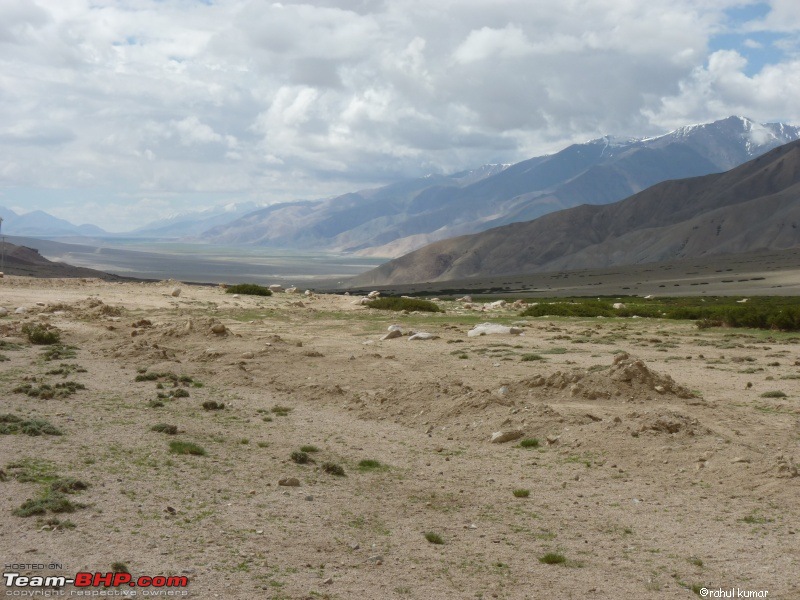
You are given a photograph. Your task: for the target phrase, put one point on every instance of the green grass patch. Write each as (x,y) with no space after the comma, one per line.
(59,352)
(41,335)
(409,304)
(774,394)
(553,558)
(529,443)
(531,357)
(48,501)
(370,465)
(434,538)
(309,448)
(249,289)
(179,447)
(11,424)
(165,428)
(521,493)
(333,469)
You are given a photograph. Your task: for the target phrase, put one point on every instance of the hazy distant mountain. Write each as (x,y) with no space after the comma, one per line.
(755,206)
(39,223)
(396,219)
(190,224)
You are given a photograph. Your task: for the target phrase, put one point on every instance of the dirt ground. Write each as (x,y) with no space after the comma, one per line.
(660,468)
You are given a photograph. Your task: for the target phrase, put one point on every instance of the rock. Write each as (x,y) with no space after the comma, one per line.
(3,311)
(740,459)
(361,301)
(496,304)
(309,498)
(328,581)
(423,335)
(500,437)
(618,305)
(394,333)
(175,292)
(21,310)
(373,294)
(394,327)
(218,328)
(275,288)
(376,558)
(464,299)
(292,290)
(308,293)
(493,329)
(289,482)
(248,355)
(552,440)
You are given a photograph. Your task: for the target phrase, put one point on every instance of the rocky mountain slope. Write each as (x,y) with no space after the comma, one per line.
(755,206)
(396,219)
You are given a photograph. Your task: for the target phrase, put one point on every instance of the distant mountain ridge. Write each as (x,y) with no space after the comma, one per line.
(755,206)
(401,217)
(38,222)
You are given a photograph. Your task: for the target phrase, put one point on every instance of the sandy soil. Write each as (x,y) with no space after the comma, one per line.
(660,466)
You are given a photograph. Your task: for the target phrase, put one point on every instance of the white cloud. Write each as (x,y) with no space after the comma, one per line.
(178,100)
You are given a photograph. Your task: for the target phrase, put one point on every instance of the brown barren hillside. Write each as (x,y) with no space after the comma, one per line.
(753,207)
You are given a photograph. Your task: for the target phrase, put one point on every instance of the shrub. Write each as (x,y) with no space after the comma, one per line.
(178,447)
(532,357)
(434,538)
(553,558)
(250,289)
(212,405)
(55,502)
(41,335)
(333,469)
(369,465)
(309,448)
(409,304)
(529,443)
(164,428)
(301,458)
(521,493)
(773,394)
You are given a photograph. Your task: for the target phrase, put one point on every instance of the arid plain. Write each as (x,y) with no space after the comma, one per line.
(666,461)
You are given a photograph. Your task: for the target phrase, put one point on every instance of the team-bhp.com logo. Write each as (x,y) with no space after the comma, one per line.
(90,580)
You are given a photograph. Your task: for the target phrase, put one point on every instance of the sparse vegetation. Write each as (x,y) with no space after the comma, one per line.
(51,501)
(213,405)
(434,538)
(333,469)
(45,391)
(59,352)
(301,458)
(529,443)
(553,558)
(409,304)
(370,465)
(165,428)
(532,357)
(249,289)
(521,493)
(41,335)
(180,447)
(309,448)
(119,567)
(11,424)
(281,411)
(774,394)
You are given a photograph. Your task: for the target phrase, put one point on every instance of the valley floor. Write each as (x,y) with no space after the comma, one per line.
(656,474)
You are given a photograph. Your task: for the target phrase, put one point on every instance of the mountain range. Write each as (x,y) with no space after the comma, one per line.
(755,206)
(38,222)
(399,218)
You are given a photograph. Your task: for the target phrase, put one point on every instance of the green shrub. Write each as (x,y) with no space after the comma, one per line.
(333,469)
(774,394)
(41,334)
(532,357)
(409,304)
(10,424)
(250,289)
(529,443)
(309,448)
(55,502)
(164,428)
(212,405)
(178,447)
(301,458)
(434,538)
(521,493)
(553,558)
(369,465)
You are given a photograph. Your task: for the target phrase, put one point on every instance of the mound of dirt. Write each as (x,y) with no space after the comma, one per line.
(627,376)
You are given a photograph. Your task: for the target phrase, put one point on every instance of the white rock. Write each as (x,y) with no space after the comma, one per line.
(423,335)
(492,329)
(500,437)
(275,288)
(21,310)
(618,305)
(496,304)
(394,328)
(308,293)
(373,294)
(292,290)
(464,299)
(394,333)
(3,311)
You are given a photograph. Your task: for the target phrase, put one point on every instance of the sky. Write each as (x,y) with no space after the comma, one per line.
(122,112)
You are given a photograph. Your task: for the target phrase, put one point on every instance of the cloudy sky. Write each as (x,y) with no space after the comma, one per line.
(118,112)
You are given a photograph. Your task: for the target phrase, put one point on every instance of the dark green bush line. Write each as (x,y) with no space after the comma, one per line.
(409,304)
(758,313)
(250,289)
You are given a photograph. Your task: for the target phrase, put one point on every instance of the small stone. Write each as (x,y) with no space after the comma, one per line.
(3,311)
(248,355)
(355,546)
(218,328)
(395,333)
(660,389)
(309,498)
(21,310)
(423,335)
(377,559)
(176,292)
(289,482)
(740,459)
(552,440)
(328,581)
